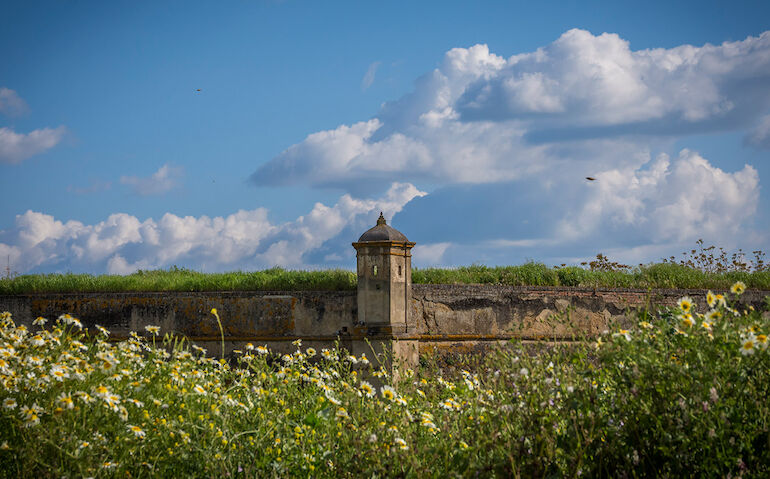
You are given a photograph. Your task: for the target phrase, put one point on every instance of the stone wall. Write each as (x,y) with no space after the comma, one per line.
(470,317)
(455,317)
(275,317)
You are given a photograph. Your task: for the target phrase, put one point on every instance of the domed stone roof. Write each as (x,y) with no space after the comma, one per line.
(383,232)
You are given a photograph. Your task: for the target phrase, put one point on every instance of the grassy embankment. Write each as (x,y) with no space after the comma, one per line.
(661,275)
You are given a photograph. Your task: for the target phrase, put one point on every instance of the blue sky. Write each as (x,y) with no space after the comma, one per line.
(471,124)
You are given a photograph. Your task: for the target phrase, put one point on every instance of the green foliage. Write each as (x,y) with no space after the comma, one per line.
(660,275)
(676,394)
(176,279)
(699,268)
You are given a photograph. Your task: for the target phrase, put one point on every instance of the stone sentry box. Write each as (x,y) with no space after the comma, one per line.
(384,264)
(384,268)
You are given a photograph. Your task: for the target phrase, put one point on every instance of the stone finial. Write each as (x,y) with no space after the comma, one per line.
(381,220)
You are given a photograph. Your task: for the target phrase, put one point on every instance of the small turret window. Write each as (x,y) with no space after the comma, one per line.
(374,270)
(399,270)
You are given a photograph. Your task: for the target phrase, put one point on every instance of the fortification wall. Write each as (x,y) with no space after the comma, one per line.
(472,317)
(450,317)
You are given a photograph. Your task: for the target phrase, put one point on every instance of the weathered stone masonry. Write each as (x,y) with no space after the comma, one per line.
(440,315)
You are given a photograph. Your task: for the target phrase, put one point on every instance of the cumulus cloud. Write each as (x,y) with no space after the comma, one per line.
(505,145)
(243,240)
(162,181)
(11,103)
(665,200)
(586,80)
(654,206)
(482,118)
(17,147)
(368,78)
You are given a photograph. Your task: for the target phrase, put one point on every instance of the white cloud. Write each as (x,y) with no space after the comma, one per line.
(11,103)
(350,216)
(368,78)
(481,118)
(664,200)
(162,181)
(243,240)
(647,206)
(485,131)
(17,147)
(586,80)
(426,255)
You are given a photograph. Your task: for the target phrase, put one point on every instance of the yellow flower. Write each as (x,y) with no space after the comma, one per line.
(721,300)
(401,444)
(388,393)
(138,432)
(685,304)
(687,319)
(622,332)
(59,372)
(711,299)
(429,424)
(366,388)
(738,287)
(154,330)
(748,345)
(450,404)
(342,413)
(65,401)
(31,415)
(101,391)
(39,321)
(762,341)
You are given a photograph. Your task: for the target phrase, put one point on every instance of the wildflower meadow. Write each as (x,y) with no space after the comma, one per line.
(680,393)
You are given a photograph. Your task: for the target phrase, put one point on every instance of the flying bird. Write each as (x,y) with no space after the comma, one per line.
(590,178)
(198,89)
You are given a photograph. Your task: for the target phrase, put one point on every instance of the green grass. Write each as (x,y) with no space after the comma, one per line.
(275,279)
(661,275)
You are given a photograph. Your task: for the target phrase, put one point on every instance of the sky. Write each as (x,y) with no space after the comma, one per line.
(243,135)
